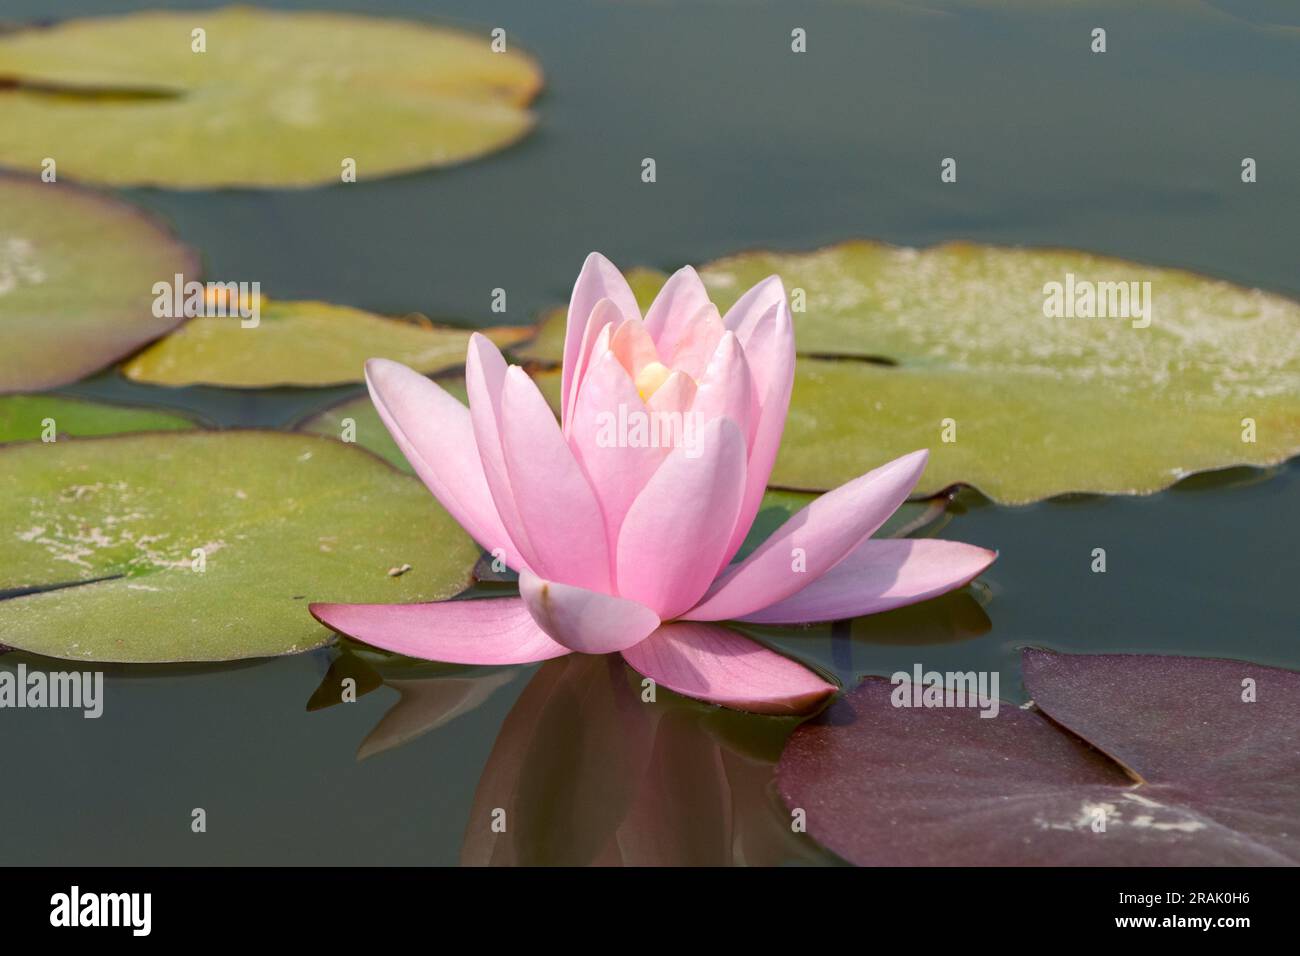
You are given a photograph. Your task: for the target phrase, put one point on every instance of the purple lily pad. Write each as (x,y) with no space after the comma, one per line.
(77,271)
(1123,760)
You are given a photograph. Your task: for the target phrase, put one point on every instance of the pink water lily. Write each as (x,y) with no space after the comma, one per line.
(622,521)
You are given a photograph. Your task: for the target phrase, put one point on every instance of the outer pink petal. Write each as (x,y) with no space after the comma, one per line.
(585,621)
(878,576)
(433,431)
(753,305)
(557,507)
(769,351)
(599,279)
(712,663)
(812,541)
(605,317)
(485,377)
(491,631)
(676,531)
(673,309)
(617,472)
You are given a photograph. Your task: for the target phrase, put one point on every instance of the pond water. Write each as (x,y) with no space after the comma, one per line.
(1134,153)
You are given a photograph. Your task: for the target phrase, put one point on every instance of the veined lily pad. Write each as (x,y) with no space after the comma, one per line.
(209,545)
(274,99)
(1192,762)
(76,273)
(32,417)
(300,343)
(903,349)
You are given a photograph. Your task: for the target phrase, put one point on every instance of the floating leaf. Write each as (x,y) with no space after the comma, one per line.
(896,342)
(1192,762)
(278,521)
(300,343)
(24,418)
(1041,405)
(275,99)
(76,274)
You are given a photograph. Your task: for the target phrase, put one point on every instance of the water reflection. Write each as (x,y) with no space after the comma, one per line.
(585,771)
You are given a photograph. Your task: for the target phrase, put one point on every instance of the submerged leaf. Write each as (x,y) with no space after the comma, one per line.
(1193,762)
(273,99)
(208,545)
(76,274)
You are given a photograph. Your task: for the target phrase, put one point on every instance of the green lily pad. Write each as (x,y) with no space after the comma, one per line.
(356,420)
(281,519)
(277,99)
(76,274)
(33,417)
(897,343)
(301,343)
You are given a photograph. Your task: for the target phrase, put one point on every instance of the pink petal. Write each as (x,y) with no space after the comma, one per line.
(490,631)
(812,541)
(557,507)
(880,575)
(605,316)
(726,389)
(676,531)
(712,663)
(434,432)
(633,346)
(676,394)
(677,303)
(752,306)
(769,351)
(696,345)
(616,470)
(599,279)
(585,621)
(485,377)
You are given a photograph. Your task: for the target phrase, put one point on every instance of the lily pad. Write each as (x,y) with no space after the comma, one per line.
(76,274)
(281,520)
(896,343)
(1125,760)
(301,343)
(25,418)
(1041,405)
(275,99)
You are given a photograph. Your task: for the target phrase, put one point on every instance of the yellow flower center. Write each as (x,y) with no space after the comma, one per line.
(650,378)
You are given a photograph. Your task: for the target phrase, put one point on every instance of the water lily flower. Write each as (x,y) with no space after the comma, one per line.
(625,544)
